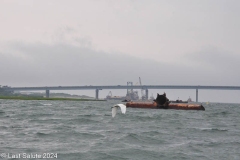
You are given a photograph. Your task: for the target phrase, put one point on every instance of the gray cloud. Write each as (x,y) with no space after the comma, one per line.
(64,64)
(217,60)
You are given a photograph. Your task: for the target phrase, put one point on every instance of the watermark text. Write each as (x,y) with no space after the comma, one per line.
(29,155)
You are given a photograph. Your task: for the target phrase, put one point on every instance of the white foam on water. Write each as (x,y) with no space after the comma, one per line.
(48,104)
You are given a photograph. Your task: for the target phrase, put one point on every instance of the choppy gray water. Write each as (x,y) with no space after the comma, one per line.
(86,130)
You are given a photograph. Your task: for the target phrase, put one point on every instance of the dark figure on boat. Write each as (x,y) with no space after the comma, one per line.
(162,101)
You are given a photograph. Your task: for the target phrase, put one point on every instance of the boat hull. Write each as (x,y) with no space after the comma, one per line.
(154,105)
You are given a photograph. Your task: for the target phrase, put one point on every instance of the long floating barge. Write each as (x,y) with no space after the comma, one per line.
(162,102)
(154,105)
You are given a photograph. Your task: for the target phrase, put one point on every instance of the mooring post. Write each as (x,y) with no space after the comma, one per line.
(146,93)
(97,91)
(47,93)
(196,95)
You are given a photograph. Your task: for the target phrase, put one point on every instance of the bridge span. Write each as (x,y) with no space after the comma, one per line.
(144,87)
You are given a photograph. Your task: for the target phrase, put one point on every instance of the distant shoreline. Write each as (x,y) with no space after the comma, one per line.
(42,98)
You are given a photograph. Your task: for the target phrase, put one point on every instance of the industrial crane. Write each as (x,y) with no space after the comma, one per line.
(142,90)
(110,94)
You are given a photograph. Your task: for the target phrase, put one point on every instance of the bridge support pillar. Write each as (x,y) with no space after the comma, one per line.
(97,92)
(146,91)
(47,93)
(196,95)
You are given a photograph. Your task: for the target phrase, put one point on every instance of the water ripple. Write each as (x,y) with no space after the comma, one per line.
(86,130)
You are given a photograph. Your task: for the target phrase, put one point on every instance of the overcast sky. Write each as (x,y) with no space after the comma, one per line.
(101,42)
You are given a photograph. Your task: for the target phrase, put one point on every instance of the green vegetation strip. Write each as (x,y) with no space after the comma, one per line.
(41,98)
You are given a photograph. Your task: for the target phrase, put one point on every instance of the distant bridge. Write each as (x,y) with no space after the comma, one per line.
(144,87)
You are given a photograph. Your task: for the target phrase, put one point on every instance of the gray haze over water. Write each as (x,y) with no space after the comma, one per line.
(59,43)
